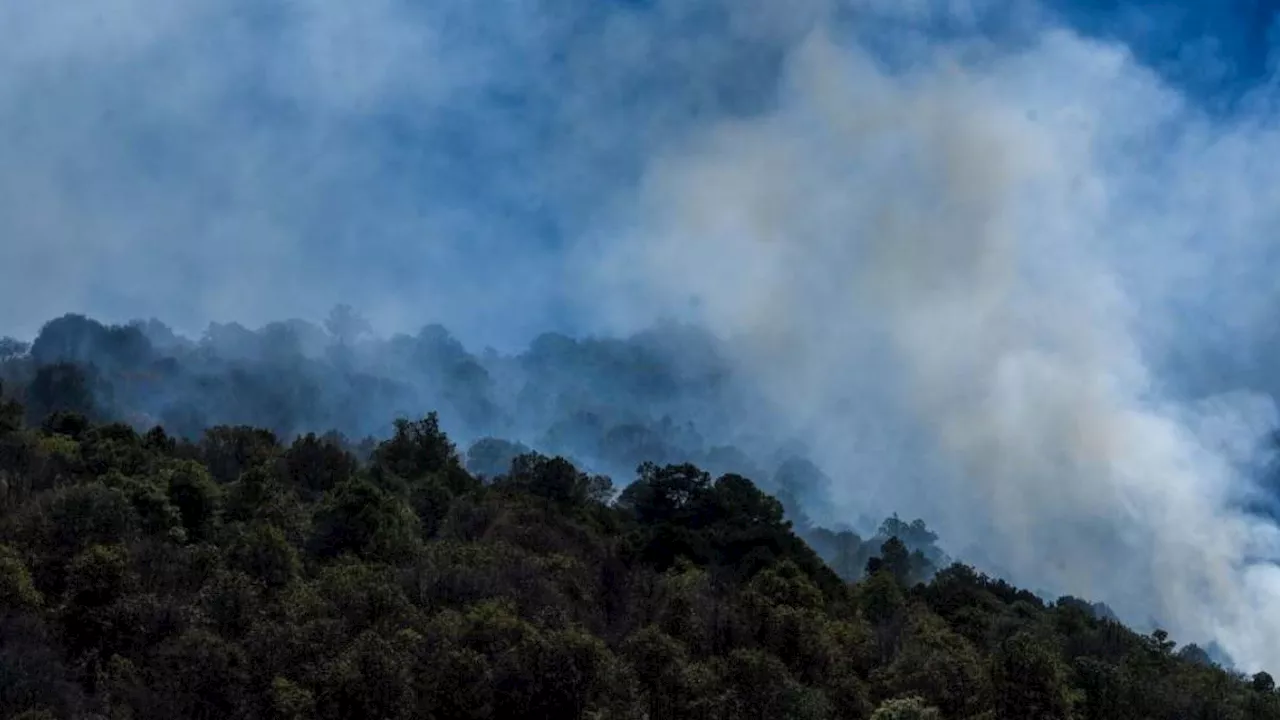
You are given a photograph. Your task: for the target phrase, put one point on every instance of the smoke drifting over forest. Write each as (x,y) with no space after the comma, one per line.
(991,266)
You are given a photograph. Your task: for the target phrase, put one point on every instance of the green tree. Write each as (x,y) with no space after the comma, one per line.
(419,448)
(81,516)
(671,686)
(264,553)
(98,576)
(199,675)
(759,686)
(156,512)
(228,451)
(317,464)
(17,591)
(230,603)
(557,480)
(288,701)
(670,494)
(358,517)
(939,666)
(908,708)
(63,387)
(896,560)
(197,498)
(1029,681)
(11,412)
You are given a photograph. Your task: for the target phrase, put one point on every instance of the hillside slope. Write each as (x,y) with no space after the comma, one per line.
(237,577)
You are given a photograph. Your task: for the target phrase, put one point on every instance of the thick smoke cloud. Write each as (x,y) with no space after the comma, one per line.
(422,161)
(999,265)
(998,250)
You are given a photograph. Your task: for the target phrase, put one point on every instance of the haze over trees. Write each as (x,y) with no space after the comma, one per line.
(246,563)
(663,396)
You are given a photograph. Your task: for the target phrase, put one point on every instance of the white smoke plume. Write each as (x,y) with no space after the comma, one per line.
(985,253)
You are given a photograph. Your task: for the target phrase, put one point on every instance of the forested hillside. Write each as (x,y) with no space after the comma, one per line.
(238,576)
(639,359)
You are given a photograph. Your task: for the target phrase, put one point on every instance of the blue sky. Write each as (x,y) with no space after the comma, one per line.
(1215,48)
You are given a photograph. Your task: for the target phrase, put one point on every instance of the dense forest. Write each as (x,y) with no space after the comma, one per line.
(668,395)
(232,571)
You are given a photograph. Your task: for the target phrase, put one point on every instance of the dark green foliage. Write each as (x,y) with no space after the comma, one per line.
(98,576)
(1029,680)
(34,676)
(264,553)
(17,591)
(557,480)
(64,522)
(196,498)
(420,448)
(895,559)
(62,387)
(906,708)
(316,465)
(10,411)
(62,422)
(360,518)
(229,451)
(144,577)
(75,338)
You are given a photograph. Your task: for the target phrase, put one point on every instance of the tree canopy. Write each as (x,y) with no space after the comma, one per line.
(237,575)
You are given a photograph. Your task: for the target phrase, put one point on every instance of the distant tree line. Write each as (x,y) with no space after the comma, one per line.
(666,396)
